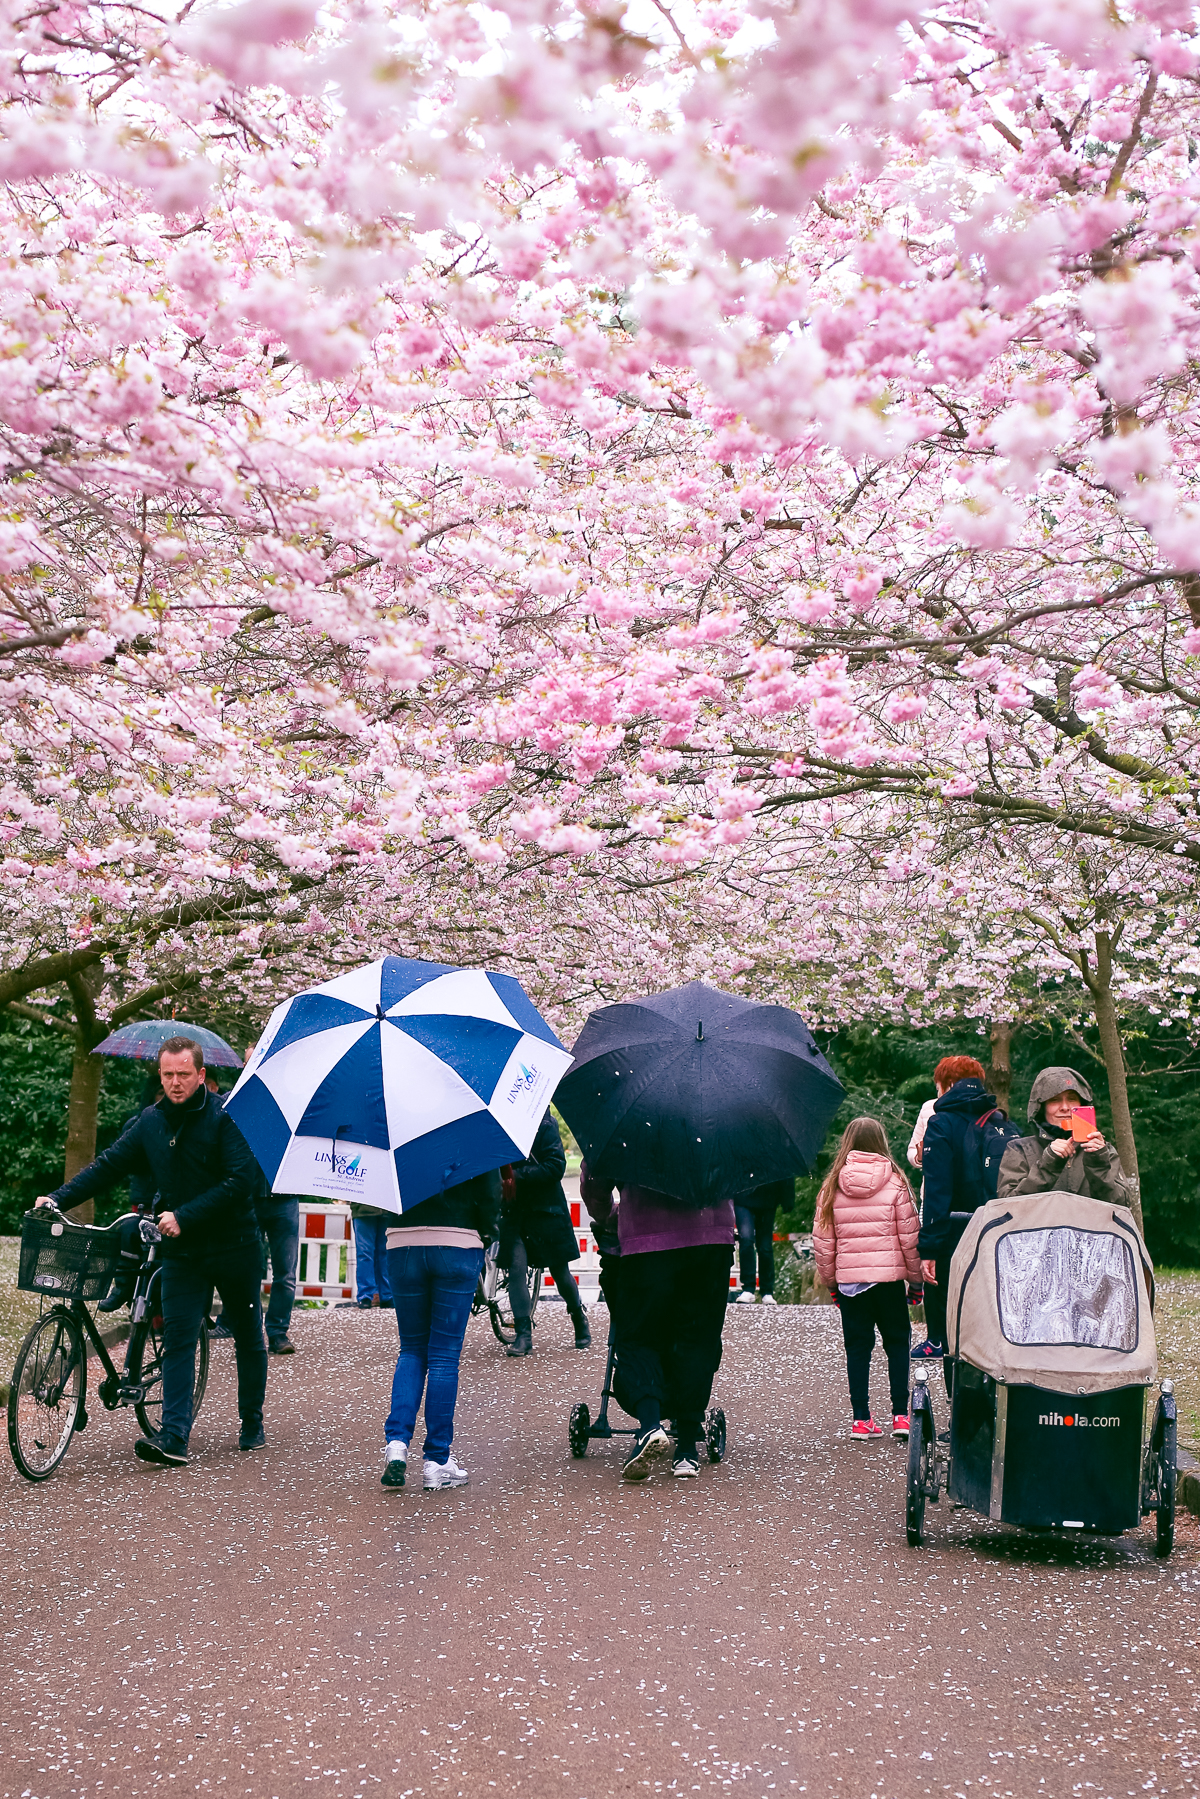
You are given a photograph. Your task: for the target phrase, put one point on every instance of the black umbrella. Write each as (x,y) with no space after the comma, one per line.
(698,1094)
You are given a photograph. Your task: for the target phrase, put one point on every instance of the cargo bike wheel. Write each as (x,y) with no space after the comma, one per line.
(922,1472)
(46,1398)
(1161,1472)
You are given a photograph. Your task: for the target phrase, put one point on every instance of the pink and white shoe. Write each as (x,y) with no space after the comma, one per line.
(900,1425)
(864,1430)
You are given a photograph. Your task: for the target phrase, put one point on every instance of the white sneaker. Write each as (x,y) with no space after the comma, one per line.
(445,1474)
(395,1467)
(768,1299)
(744,1299)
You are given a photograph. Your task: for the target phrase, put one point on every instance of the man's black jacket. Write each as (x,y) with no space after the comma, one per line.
(200,1166)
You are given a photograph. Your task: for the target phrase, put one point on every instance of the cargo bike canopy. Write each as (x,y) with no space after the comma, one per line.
(1054,1290)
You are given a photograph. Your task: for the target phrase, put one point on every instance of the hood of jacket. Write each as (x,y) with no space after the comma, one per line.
(1055,1080)
(969,1097)
(864,1172)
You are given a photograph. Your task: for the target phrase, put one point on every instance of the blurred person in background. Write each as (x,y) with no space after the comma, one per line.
(536,1231)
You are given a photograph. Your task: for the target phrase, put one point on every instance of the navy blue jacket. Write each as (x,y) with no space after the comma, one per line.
(200,1167)
(951,1183)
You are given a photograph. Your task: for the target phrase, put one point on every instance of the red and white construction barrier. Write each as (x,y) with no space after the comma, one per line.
(325,1269)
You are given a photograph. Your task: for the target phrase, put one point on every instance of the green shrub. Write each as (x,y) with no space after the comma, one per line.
(35,1079)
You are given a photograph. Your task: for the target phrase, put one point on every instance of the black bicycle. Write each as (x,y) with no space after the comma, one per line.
(72,1265)
(491,1294)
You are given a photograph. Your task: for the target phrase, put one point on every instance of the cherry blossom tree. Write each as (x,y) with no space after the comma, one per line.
(559,457)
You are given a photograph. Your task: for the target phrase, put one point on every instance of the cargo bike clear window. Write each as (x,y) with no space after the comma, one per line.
(1067,1286)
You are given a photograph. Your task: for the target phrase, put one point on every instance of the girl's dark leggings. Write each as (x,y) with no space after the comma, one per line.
(884,1306)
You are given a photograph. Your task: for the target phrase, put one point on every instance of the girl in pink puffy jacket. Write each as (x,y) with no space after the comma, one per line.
(865,1242)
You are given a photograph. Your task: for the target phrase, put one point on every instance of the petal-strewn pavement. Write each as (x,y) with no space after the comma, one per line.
(276,1624)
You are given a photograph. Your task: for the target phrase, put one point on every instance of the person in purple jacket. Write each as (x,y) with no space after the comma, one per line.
(674,1281)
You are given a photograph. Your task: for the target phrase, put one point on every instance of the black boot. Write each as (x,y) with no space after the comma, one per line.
(583,1335)
(120,1293)
(523,1343)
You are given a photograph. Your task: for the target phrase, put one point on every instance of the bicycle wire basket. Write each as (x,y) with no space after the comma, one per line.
(66,1261)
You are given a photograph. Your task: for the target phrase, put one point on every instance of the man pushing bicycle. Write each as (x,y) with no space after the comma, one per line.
(204,1176)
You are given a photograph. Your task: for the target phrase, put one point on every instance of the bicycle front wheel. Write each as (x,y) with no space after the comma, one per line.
(145,1366)
(45,1400)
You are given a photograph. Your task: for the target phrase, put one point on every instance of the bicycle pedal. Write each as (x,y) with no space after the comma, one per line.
(81,1422)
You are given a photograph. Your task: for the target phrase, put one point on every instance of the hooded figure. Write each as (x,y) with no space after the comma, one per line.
(1035,1163)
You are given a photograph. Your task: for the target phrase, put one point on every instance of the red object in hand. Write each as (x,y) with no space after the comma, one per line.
(508,1184)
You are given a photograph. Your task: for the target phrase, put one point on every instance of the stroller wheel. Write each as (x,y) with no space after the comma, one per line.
(578,1429)
(714,1433)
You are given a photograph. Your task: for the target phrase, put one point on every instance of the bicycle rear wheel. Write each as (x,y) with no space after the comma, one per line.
(45,1400)
(145,1366)
(503,1324)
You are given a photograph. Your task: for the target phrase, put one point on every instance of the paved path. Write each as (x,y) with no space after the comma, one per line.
(277,1625)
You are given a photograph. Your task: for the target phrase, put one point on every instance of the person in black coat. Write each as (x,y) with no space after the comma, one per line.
(536,1230)
(953,1187)
(203,1176)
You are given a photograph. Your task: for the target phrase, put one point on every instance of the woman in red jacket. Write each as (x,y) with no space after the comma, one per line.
(865,1242)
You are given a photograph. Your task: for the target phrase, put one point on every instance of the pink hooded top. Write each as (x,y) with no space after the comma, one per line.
(874,1232)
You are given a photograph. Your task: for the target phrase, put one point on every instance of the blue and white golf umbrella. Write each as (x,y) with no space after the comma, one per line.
(397,1081)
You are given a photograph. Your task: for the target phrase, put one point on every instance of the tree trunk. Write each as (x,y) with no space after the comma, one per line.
(999,1075)
(87,1074)
(1114,1061)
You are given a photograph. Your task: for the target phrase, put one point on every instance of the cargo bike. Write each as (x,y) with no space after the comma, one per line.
(1057,1423)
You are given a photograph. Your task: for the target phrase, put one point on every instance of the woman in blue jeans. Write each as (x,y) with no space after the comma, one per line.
(434,1257)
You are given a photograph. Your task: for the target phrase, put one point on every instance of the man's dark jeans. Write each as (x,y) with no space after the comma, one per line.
(756,1232)
(885,1305)
(672,1313)
(187,1283)
(279,1219)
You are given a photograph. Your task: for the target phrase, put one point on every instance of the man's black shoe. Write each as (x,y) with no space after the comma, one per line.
(118,1295)
(281,1346)
(220,1329)
(522,1343)
(167,1452)
(583,1335)
(252,1437)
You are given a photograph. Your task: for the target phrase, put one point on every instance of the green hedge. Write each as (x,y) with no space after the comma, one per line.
(35,1079)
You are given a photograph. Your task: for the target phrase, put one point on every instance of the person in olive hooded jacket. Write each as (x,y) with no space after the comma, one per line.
(1048,1155)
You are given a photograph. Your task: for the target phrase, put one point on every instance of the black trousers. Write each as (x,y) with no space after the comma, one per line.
(672,1312)
(935,1304)
(885,1306)
(518,1284)
(756,1245)
(187,1284)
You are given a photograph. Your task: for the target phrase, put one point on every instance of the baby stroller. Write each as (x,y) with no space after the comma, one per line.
(580,1429)
(1055,1423)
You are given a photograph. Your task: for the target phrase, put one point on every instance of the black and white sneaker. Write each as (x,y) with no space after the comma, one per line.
(687,1464)
(649,1446)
